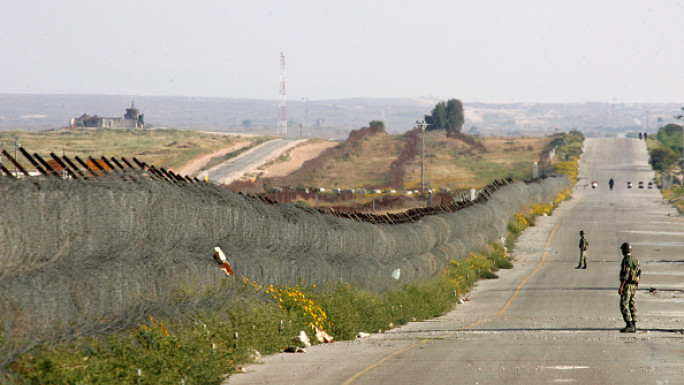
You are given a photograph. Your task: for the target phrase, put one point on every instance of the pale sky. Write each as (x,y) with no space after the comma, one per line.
(475,50)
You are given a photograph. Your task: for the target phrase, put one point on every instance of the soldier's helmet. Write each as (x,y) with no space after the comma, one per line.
(626,248)
(581,232)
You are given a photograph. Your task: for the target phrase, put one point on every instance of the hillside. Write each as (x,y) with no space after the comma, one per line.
(370,159)
(450,163)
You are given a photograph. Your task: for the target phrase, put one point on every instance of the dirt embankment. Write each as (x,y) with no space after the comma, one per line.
(296,177)
(395,176)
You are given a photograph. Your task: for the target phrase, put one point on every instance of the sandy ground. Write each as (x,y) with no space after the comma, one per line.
(191,168)
(298,156)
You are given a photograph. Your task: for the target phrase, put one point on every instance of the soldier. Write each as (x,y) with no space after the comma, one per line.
(583,246)
(629,280)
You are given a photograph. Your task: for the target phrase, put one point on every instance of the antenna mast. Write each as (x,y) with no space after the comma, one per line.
(282,109)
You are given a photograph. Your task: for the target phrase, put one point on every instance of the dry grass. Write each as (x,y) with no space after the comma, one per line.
(449,163)
(367,164)
(163,148)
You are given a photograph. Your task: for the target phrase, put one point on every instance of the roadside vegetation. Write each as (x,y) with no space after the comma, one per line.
(665,150)
(568,144)
(568,150)
(676,196)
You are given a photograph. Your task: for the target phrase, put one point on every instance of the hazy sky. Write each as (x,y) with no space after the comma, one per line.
(487,51)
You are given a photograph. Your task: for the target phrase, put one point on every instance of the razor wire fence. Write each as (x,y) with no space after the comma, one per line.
(81,257)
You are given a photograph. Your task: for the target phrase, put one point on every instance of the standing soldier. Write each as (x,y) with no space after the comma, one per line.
(583,245)
(629,280)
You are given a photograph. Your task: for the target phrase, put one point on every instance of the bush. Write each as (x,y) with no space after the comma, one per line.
(663,158)
(569,169)
(676,196)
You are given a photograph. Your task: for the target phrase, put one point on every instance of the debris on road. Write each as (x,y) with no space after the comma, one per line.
(303,339)
(220,257)
(294,349)
(254,355)
(322,336)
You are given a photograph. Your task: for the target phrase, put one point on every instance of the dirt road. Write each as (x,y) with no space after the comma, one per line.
(298,156)
(299,152)
(192,168)
(544,321)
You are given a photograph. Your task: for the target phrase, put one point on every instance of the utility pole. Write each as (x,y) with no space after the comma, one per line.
(282,108)
(680,117)
(306,117)
(422,126)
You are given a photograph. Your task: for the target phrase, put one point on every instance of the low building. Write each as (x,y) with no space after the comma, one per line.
(132,119)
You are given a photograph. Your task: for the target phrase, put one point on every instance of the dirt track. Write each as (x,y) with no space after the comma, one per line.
(193,167)
(298,156)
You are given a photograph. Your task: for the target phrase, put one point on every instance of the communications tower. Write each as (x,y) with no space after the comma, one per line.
(282,109)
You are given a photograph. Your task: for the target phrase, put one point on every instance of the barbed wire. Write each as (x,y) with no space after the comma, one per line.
(81,257)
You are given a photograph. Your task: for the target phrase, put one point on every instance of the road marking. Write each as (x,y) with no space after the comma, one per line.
(515,294)
(364,371)
(517,289)
(652,232)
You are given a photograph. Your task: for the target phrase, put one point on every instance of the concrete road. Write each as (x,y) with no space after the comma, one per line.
(250,160)
(543,322)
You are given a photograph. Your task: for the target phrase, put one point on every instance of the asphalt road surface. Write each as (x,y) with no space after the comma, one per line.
(543,322)
(248,161)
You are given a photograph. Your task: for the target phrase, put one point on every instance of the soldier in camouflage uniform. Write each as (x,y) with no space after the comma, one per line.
(629,280)
(583,245)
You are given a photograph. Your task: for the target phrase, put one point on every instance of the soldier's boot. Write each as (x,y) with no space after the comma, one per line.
(585,266)
(627,327)
(579,266)
(633,329)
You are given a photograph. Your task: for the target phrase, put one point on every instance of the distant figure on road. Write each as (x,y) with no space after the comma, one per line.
(645,136)
(629,280)
(641,136)
(611,182)
(583,246)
